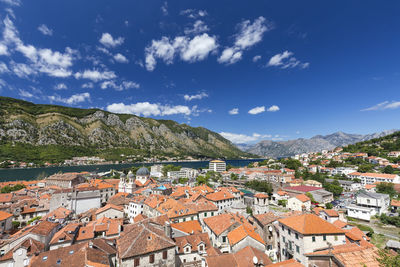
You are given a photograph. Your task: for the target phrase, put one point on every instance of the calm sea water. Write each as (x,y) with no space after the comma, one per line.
(33,173)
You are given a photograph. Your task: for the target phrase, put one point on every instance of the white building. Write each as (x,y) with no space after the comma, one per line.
(299,203)
(343,170)
(156,170)
(358,212)
(371,178)
(306,233)
(183,173)
(217,166)
(379,202)
(127,183)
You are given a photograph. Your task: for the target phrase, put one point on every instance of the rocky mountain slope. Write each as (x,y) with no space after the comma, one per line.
(46,125)
(315,144)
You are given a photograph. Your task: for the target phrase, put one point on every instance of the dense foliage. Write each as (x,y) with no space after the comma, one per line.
(395,220)
(8,189)
(261,186)
(386,188)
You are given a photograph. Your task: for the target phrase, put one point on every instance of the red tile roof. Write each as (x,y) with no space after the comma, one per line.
(309,224)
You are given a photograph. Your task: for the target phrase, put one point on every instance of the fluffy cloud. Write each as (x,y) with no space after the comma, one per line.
(198,27)
(123,86)
(74,99)
(191,50)
(120,58)
(249,34)
(88,85)
(3,50)
(257,110)
(3,68)
(256,58)
(60,86)
(150,109)
(384,106)
(286,60)
(25,94)
(45,30)
(52,63)
(193,13)
(164,8)
(108,41)
(95,75)
(273,108)
(242,138)
(12,2)
(234,111)
(197,96)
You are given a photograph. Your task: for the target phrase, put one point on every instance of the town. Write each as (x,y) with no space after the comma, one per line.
(331,208)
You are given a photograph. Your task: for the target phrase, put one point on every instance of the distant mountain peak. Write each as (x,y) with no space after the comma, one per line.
(316,143)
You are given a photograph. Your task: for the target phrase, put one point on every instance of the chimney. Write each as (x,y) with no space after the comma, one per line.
(168,229)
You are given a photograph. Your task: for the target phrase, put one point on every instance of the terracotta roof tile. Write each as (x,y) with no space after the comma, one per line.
(303,198)
(188,226)
(241,233)
(4,215)
(308,224)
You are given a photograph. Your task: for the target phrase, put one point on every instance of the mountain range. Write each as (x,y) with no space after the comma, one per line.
(94,131)
(276,149)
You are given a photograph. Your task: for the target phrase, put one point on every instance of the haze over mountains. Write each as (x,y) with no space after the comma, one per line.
(317,143)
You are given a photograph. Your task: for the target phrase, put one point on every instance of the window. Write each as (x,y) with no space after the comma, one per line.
(284,239)
(151,258)
(283,228)
(336,238)
(201,247)
(324,237)
(297,235)
(205,214)
(297,249)
(164,254)
(194,258)
(313,239)
(136,262)
(224,239)
(289,232)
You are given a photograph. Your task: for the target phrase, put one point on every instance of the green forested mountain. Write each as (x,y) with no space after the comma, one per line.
(378,146)
(35,132)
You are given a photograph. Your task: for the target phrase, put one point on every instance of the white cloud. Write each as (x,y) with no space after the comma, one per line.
(242,138)
(88,85)
(195,49)
(74,99)
(249,34)
(234,111)
(108,41)
(12,2)
(26,94)
(45,30)
(120,58)
(60,86)
(149,109)
(3,68)
(198,27)
(164,8)
(123,86)
(257,110)
(256,58)
(286,60)
(3,50)
(52,63)
(197,96)
(273,108)
(95,75)
(198,48)
(22,70)
(384,106)
(193,13)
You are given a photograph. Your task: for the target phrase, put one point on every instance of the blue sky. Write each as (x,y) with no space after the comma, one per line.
(251,71)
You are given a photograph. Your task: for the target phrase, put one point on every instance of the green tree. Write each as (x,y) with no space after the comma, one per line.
(329,206)
(365,168)
(200,180)
(388,259)
(234,176)
(261,186)
(386,188)
(169,168)
(16,224)
(311,197)
(249,210)
(388,169)
(282,202)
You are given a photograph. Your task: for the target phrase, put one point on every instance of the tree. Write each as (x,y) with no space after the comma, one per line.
(311,197)
(293,164)
(329,206)
(388,259)
(336,190)
(282,202)
(234,176)
(169,168)
(249,210)
(388,169)
(16,224)
(386,188)
(365,168)
(261,186)
(200,180)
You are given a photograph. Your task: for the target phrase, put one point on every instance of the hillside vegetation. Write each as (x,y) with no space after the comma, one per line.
(34,132)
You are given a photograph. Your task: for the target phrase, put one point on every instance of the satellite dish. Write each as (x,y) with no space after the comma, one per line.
(255,260)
